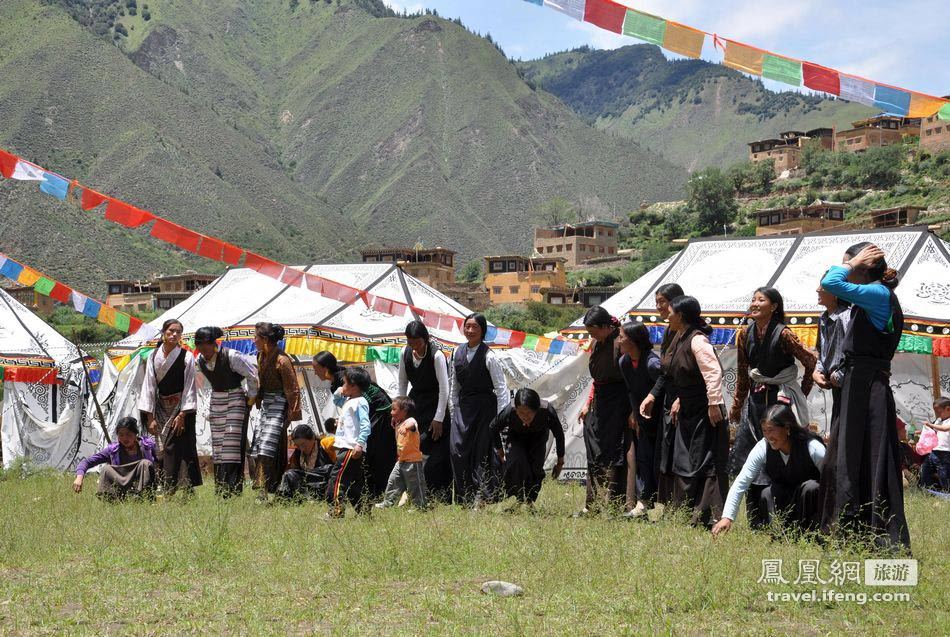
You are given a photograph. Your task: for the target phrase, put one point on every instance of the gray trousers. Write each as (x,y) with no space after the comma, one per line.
(406,476)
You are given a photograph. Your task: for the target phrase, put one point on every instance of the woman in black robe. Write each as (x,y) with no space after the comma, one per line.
(424,377)
(605,416)
(663,394)
(381,445)
(640,367)
(526,425)
(861,483)
(479,393)
(701,438)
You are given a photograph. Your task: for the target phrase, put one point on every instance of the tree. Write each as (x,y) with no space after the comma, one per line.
(557,211)
(712,200)
(471,272)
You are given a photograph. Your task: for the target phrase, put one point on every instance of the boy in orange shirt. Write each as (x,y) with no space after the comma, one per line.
(407,475)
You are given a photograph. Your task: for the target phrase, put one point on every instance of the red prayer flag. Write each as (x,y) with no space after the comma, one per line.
(165,231)
(291,276)
(7,164)
(314,283)
(605,14)
(429,318)
(383,306)
(231,254)
(134,324)
(517,339)
(347,294)
(126,215)
(364,295)
(263,265)
(211,248)
(820,78)
(61,293)
(91,198)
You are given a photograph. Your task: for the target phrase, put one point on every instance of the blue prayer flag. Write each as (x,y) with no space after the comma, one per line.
(55,185)
(11,269)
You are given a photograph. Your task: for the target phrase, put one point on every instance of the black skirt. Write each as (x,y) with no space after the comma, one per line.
(605,425)
(862,488)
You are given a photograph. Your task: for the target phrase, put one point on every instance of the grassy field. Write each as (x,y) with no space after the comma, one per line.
(71,564)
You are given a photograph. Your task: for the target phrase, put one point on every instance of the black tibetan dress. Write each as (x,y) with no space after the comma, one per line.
(424,392)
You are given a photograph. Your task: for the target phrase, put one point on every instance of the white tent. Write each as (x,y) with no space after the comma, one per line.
(45,417)
(723,273)
(242,297)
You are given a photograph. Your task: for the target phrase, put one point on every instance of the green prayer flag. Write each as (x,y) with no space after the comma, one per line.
(44,286)
(915,344)
(530,342)
(944,112)
(383,354)
(644,27)
(122,321)
(782,69)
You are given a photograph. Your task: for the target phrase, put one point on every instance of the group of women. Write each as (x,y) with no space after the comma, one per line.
(673,431)
(656,431)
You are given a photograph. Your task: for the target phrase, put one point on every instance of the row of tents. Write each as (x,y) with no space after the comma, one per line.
(49,417)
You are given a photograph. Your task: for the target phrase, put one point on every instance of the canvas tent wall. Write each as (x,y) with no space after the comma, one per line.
(723,273)
(354,333)
(45,417)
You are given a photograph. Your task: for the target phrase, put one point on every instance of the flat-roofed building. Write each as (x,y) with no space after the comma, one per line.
(518,279)
(577,242)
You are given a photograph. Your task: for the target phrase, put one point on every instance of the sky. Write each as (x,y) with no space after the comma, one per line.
(899,43)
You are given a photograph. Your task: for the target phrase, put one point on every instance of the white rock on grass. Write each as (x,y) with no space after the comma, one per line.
(504,589)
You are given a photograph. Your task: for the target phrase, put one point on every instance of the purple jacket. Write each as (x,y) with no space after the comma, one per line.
(111,455)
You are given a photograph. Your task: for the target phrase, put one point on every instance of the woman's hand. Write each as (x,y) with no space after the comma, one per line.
(867,257)
(558,466)
(435,429)
(501,454)
(77,484)
(178,424)
(820,379)
(152,426)
(722,526)
(581,417)
(646,407)
(715,414)
(357,452)
(735,415)
(675,411)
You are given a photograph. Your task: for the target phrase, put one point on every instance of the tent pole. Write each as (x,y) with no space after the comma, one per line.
(935,376)
(95,398)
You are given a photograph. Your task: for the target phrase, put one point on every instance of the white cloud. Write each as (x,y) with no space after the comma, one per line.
(401,7)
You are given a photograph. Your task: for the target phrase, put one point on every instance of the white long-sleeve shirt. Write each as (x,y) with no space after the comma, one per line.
(753,465)
(709,367)
(494,370)
(241,364)
(441,373)
(156,366)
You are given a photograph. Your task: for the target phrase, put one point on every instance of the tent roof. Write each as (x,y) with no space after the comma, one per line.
(26,339)
(722,273)
(241,297)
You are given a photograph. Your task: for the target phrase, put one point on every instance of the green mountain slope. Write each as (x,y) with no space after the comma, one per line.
(692,112)
(301,129)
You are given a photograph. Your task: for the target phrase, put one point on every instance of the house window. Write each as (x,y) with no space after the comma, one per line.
(837,215)
(496,289)
(497,266)
(559,248)
(775,219)
(556,300)
(602,249)
(611,250)
(535,289)
(512,266)
(569,247)
(514,289)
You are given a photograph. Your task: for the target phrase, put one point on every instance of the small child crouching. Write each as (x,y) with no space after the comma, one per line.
(407,475)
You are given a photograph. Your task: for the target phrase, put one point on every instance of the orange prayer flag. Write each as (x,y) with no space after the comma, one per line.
(743,58)
(28,276)
(684,40)
(924,105)
(210,248)
(125,214)
(91,198)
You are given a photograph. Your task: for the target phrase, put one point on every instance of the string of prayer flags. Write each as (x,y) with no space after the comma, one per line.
(618,17)
(48,286)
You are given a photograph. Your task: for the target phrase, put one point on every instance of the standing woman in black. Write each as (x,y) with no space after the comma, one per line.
(861,482)
(423,367)
(663,394)
(168,404)
(479,393)
(606,415)
(640,367)
(381,445)
(701,439)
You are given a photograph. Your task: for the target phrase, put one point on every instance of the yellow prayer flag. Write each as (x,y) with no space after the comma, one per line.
(684,40)
(28,276)
(107,315)
(743,58)
(924,105)
(543,345)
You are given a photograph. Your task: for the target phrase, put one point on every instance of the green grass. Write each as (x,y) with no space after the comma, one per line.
(72,564)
